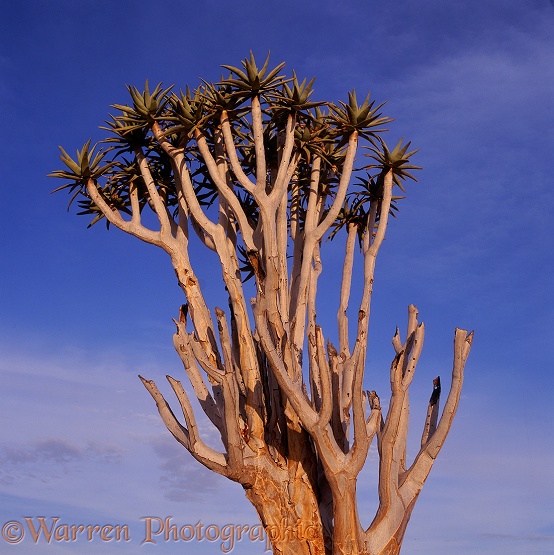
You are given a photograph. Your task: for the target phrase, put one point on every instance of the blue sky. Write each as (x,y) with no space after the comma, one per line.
(82,312)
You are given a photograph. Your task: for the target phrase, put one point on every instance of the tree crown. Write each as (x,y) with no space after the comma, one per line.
(321,129)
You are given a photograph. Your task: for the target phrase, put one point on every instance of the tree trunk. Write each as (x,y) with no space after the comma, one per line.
(347,532)
(288,509)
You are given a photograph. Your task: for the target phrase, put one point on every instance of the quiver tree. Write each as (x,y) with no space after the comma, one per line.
(256,171)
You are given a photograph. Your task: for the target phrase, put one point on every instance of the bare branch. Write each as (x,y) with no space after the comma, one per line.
(418,472)
(135,206)
(167,224)
(374,418)
(258,135)
(184,181)
(132,227)
(324,382)
(232,154)
(292,389)
(346,173)
(337,423)
(209,406)
(226,192)
(199,450)
(286,168)
(356,457)
(462,346)
(346,285)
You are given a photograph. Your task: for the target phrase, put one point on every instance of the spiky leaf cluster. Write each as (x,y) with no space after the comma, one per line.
(397,160)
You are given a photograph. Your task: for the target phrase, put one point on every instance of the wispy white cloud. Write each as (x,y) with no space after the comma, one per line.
(52,459)
(48,450)
(182,478)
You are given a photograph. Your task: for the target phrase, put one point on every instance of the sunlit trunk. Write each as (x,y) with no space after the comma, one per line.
(289,513)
